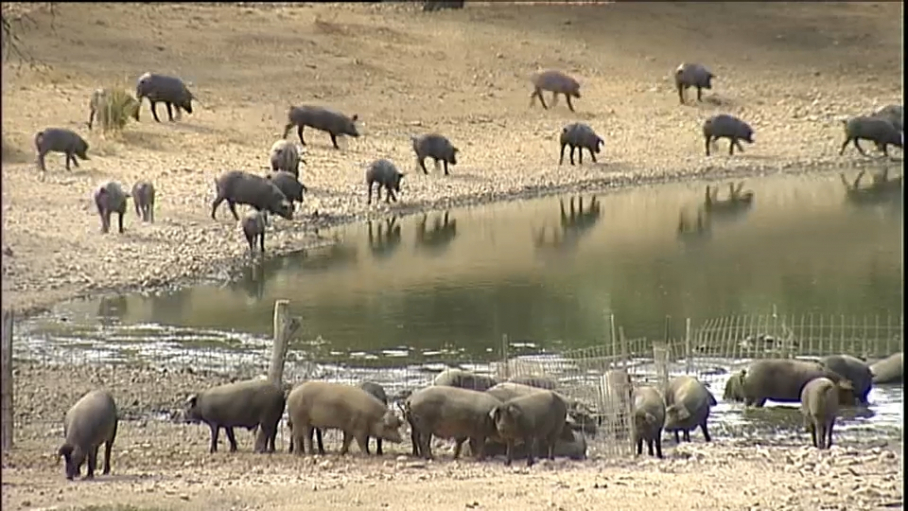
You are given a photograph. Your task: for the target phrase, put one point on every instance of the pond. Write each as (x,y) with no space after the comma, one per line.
(549,273)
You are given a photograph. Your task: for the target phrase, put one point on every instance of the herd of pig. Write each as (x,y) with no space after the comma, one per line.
(524,417)
(279,191)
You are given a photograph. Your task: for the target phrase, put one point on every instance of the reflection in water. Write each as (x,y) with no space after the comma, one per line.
(882,189)
(338,255)
(385,241)
(802,249)
(252,280)
(733,207)
(573,226)
(111,309)
(439,238)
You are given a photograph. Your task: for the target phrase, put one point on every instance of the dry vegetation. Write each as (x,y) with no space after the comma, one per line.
(791,70)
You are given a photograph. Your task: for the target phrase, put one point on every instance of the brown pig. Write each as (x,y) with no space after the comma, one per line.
(247,404)
(649,418)
(820,405)
(782,380)
(464,379)
(542,382)
(450,412)
(536,418)
(326,405)
(90,422)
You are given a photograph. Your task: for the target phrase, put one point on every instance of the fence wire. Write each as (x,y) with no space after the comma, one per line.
(152,381)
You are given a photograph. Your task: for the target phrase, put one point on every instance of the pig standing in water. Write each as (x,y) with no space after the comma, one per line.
(537,419)
(820,405)
(254,230)
(687,407)
(324,405)
(782,380)
(90,422)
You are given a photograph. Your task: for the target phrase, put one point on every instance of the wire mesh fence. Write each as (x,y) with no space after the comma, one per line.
(152,379)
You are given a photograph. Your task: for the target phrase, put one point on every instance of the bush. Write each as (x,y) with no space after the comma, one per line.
(115,107)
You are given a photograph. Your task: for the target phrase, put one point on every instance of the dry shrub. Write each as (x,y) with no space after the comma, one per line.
(115,107)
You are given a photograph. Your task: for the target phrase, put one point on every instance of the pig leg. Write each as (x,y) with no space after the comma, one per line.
(708,140)
(92,462)
(531,450)
(91,117)
(154,110)
(107,447)
(570,105)
(705,432)
(318,436)
(458,445)
(681,93)
(334,140)
(561,158)
(214,206)
(639,446)
(378,450)
(739,146)
(231,438)
(510,452)
(425,445)
(169,111)
(687,436)
(348,439)
(105,221)
(41,162)
(572,155)
(262,242)
(422,165)
(699,94)
(446,166)
(414,438)
(829,428)
(859,148)
(139,211)
(215,429)
(363,442)
(580,154)
(120,222)
(541,99)
(593,155)
(813,435)
(299,132)
(232,206)
(67,162)
(649,447)
(844,145)
(658,443)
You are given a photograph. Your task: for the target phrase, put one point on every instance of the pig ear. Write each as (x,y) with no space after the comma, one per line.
(354,118)
(65,450)
(192,400)
(494,414)
(401,175)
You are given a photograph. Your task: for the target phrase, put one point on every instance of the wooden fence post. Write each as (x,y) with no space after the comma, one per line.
(688,349)
(284,328)
(505,354)
(6,393)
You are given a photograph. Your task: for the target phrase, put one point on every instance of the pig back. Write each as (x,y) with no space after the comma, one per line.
(647,400)
(782,379)
(820,398)
(242,404)
(92,420)
(541,382)
(464,379)
(888,370)
(854,370)
(333,405)
(509,390)
(540,414)
(450,412)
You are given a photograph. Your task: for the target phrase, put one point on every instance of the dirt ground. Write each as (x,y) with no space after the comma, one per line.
(791,70)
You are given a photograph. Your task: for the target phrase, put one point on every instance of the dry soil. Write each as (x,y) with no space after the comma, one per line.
(791,70)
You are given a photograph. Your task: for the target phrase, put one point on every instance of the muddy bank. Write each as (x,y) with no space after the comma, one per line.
(379,61)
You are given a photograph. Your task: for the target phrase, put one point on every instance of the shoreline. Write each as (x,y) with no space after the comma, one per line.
(231,265)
